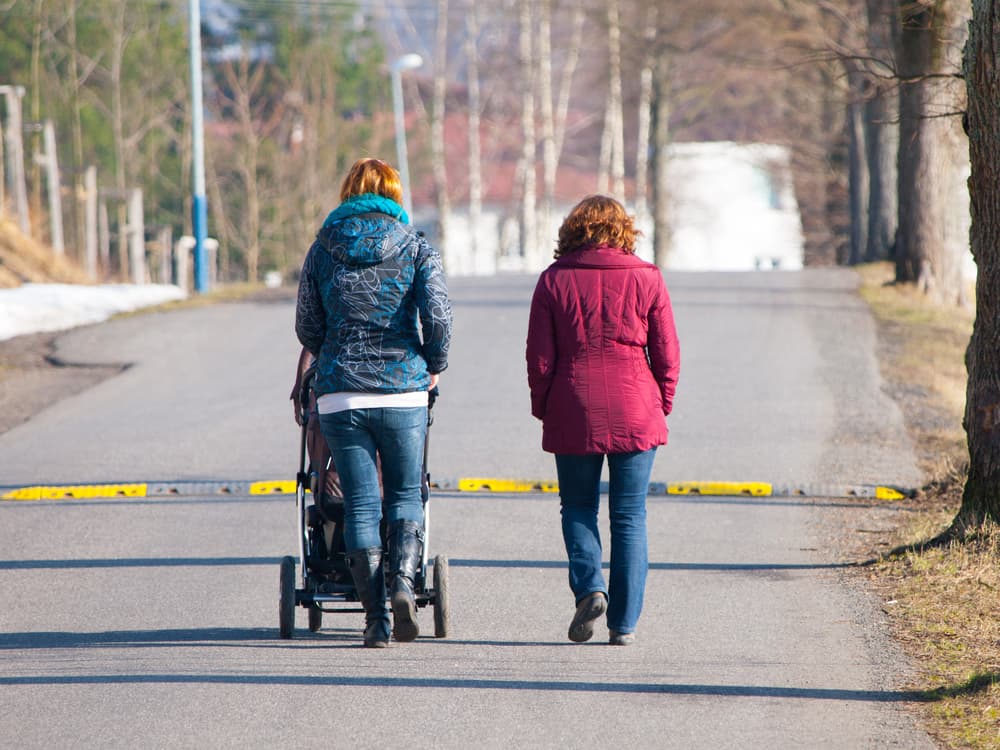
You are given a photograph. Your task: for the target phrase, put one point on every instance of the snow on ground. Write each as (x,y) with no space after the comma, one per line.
(32,308)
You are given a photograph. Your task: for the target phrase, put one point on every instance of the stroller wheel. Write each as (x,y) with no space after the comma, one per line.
(286,598)
(315,618)
(441,615)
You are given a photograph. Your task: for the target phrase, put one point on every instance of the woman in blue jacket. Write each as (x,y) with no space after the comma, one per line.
(373,309)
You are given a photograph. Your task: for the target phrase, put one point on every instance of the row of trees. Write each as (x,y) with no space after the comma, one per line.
(289,98)
(853,87)
(867,94)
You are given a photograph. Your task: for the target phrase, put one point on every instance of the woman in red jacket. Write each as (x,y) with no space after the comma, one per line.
(603,360)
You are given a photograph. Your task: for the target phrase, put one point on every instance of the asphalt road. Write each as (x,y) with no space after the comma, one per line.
(135,623)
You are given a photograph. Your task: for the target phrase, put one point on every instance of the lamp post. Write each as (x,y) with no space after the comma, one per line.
(406,62)
(199,204)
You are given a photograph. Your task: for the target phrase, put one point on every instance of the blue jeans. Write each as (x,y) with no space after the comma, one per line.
(579,492)
(356,438)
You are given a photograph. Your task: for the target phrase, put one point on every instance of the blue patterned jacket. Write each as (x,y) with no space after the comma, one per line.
(373,304)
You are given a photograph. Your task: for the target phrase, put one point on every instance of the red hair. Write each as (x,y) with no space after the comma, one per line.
(597,220)
(372,176)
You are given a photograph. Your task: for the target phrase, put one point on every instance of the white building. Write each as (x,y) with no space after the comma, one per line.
(733,208)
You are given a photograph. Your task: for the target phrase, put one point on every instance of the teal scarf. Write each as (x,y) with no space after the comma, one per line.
(365,204)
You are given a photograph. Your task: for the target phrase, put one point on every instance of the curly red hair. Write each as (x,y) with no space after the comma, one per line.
(372,176)
(594,221)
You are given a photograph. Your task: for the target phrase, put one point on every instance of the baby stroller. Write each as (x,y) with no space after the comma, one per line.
(324,581)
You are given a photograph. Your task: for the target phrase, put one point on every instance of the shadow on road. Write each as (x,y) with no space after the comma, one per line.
(136,562)
(726,691)
(202,562)
(259,637)
(719,567)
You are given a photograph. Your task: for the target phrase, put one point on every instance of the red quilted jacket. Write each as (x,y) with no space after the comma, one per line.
(603,356)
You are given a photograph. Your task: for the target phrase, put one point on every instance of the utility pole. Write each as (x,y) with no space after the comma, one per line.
(199,203)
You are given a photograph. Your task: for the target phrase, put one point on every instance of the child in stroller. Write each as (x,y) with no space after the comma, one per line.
(325,577)
(325,517)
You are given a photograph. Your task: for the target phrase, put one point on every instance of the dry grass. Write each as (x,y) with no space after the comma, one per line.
(24,260)
(943,598)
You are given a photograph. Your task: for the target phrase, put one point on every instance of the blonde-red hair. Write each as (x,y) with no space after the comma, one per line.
(597,220)
(372,176)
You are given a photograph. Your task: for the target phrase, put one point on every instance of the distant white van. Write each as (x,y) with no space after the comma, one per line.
(733,208)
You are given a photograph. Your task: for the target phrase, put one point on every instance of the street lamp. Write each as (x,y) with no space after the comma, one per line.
(199,203)
(406,62)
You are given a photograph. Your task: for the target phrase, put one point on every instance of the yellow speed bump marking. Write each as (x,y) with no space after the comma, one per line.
(487,484)
(79,492)
(280,487)
(889,493)
(756,489)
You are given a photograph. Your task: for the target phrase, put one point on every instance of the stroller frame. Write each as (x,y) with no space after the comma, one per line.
(323,583)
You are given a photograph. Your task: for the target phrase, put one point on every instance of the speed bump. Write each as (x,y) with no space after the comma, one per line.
(281,487)
(474,484)
(76,492)
(463,484)
(729,489)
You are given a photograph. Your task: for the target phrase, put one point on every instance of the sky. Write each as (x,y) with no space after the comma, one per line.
(33,308)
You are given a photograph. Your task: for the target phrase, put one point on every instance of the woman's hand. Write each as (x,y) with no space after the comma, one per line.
(434,381)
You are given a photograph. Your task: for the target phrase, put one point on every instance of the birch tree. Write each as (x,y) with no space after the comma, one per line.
(615,103)
(438,163)
(660,159)
(550,160)
(474,105)
(570,63)
(645,115)
(526,168)
(120,37)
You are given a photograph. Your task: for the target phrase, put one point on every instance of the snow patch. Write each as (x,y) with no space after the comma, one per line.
(33,308)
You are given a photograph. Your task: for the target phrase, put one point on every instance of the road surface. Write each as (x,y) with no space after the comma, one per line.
(152,622)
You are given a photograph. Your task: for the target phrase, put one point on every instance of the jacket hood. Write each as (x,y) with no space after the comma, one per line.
(366,203)
(365,240)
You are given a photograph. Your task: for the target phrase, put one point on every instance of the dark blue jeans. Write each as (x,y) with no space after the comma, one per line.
(356,438)
(579,492)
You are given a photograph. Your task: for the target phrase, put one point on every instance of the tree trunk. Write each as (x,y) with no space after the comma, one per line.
(79,215)
(475,147)
(881,147)
(566,78)
(932,160)
(437,129)
(36,110)
(881,139)
(857,167)
(244,84)
(549,159)
(119,40)
(604,155)
(529,232)
(645,116)
(615,102)
(660,161)
(981,499)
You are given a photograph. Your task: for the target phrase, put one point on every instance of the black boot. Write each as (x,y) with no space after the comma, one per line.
(405,540)
(369,580)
